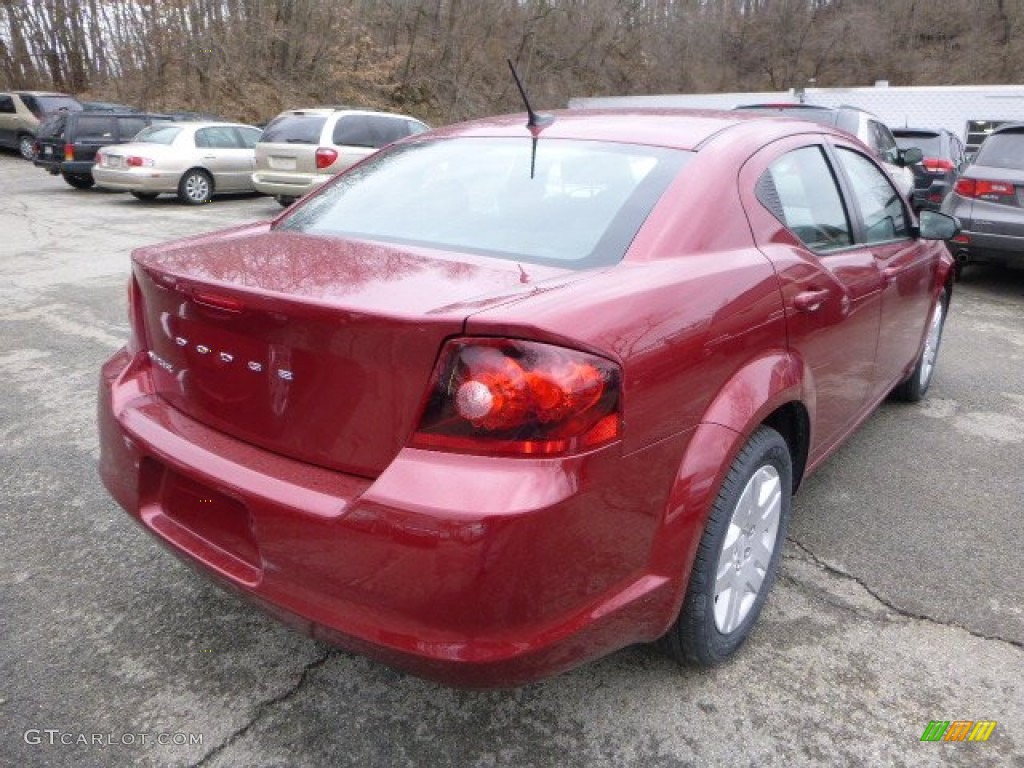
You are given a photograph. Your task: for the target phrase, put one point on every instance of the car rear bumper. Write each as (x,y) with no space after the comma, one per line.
(77,167)
(547,569)
(52,164)
(292,185)
(986,247)
(136,179)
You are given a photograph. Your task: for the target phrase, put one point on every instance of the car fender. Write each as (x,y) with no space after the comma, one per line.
(753,393)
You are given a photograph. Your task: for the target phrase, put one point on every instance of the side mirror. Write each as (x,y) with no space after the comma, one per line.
(937,226)
(909,156)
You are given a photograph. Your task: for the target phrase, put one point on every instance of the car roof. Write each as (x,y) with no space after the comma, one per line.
(196,124)
(41,93)
(687,129)
(334,110)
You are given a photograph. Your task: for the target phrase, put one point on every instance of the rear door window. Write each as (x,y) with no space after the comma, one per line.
(374,131)
(354,131)
(801,191)
(94,128)
(218,137)
(159,134)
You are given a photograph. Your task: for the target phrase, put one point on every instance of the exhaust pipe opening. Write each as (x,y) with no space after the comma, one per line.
(962,257)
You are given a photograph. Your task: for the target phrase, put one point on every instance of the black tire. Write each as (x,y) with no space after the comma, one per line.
(195,187)
(703,634)
(143,195)
(79,180)
(283,201)
(26,146)
(915,386)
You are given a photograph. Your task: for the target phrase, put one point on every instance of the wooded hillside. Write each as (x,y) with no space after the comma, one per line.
(444,60)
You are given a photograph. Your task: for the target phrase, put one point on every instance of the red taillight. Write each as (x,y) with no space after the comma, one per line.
(137,162)
(69,153)
(985,190)
(519,397)
(325,157)
(99,158)
(135,335)
(937,164)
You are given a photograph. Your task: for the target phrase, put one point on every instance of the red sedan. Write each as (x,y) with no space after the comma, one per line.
(503,399)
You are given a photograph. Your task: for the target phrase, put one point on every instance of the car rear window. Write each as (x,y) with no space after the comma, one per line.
(50,104)
(294,129)
(929,143)
(158,134)
(569,203)
(1003,150)
(52,126)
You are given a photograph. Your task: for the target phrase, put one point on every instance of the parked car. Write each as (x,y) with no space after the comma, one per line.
(862,124)
(22,111)
(504,398)
(988,199)
(195,161)
(935,175)
(66,144)
(302,148)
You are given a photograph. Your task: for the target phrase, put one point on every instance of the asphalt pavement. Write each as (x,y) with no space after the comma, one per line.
(900,600)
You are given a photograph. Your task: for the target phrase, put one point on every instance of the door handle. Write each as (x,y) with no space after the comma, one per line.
(810,301)
(890,273)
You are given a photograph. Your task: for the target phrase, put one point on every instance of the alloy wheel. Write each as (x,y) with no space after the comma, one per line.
(747,548)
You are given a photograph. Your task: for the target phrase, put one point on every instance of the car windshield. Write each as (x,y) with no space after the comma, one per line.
(1003,150)
(158,134)
(294,129)
(929,143)
(576,204)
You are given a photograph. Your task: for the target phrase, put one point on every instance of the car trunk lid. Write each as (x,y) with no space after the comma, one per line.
(313,347)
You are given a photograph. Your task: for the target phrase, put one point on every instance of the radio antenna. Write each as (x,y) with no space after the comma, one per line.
(534,120)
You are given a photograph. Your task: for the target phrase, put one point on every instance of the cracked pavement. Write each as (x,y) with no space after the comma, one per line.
(899,600)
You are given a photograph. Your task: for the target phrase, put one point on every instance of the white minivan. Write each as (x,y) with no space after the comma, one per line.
(302,148)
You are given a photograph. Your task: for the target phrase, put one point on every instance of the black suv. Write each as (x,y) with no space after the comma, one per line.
(67,143)
(935,175)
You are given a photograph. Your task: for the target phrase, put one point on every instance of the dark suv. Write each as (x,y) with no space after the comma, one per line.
(67,143)
(935,175)
(988,199)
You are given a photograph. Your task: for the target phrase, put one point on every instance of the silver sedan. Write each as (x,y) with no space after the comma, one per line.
(194,161)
